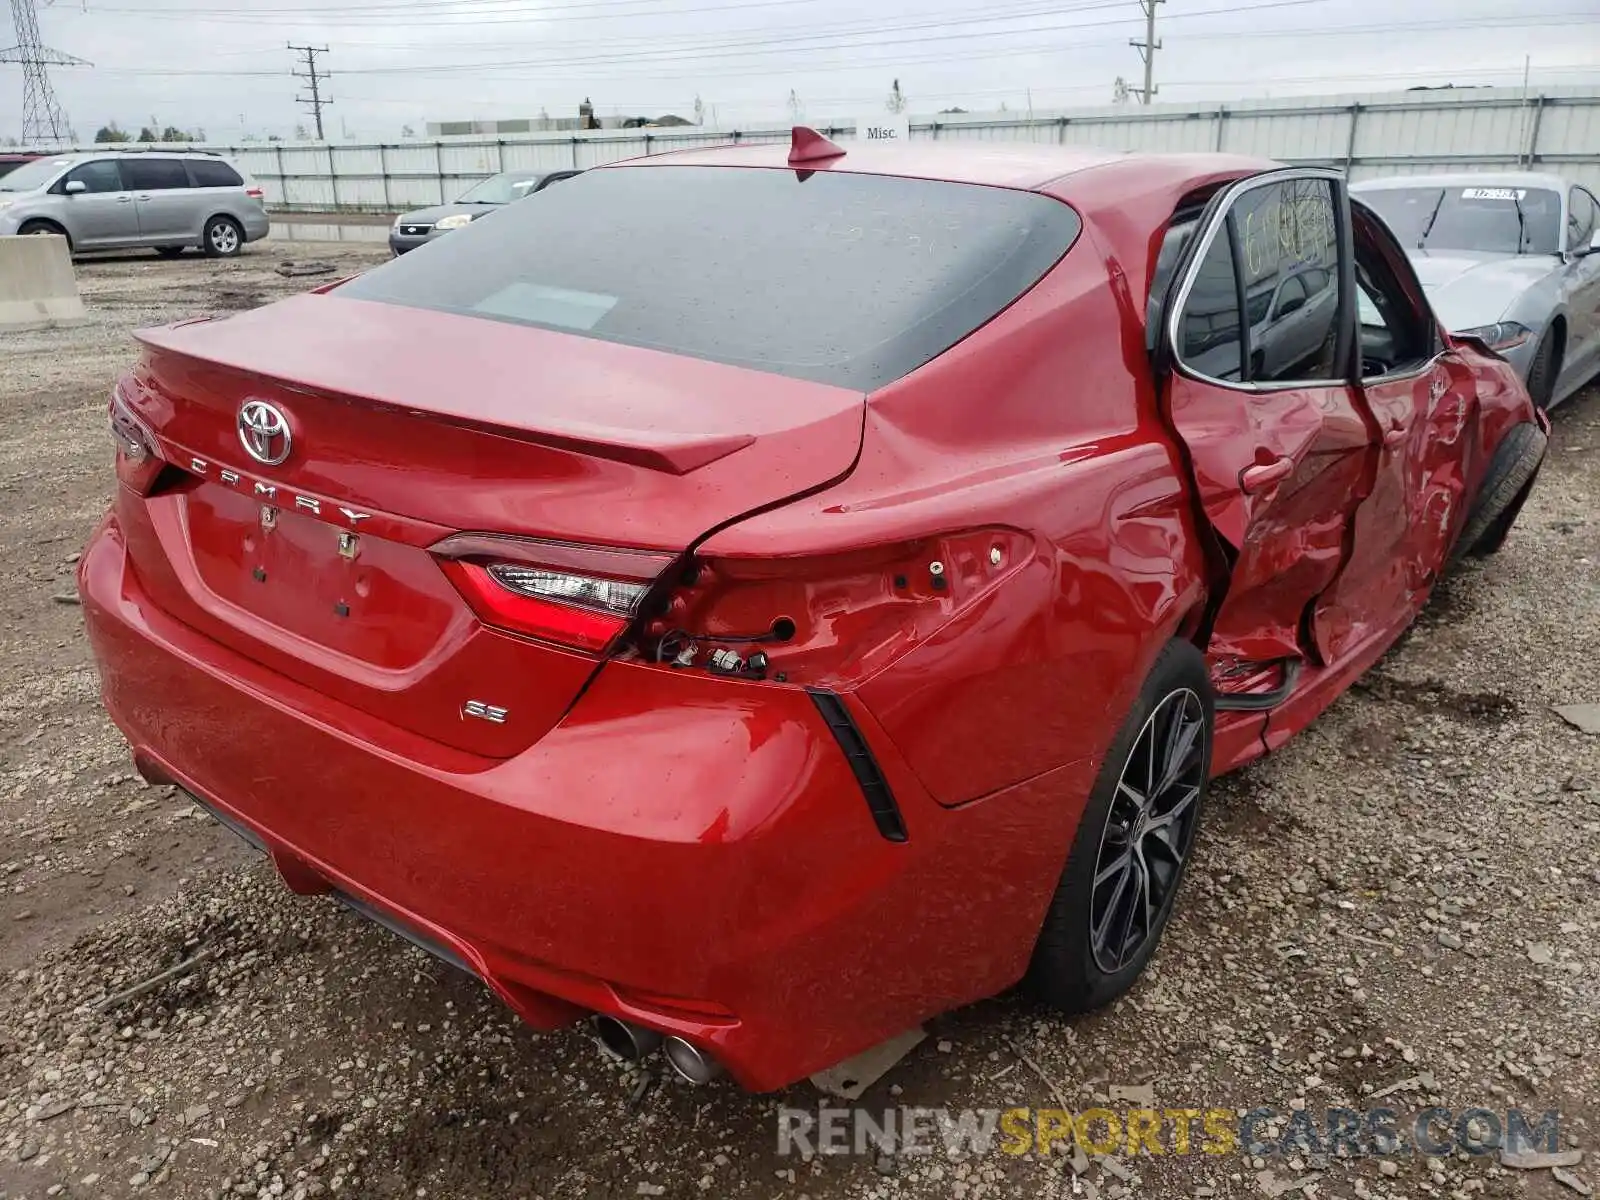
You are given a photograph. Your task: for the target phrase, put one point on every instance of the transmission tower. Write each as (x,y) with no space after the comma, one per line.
(1147,51)
(316,102)
(43,122)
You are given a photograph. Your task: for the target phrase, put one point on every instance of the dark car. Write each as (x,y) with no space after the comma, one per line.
(412,229)
(817,602)
(10,162)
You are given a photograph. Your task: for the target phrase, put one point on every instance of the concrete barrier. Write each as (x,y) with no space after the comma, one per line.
(37,286)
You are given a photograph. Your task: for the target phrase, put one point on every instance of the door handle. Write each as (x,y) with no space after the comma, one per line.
(1263,475)
(142,196)
(1395,435)
(124,199)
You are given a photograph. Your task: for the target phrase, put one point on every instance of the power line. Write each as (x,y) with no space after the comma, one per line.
(42,118)
(316,102)
(1147,51)
(674,53)
(441,19)
(790,43)
(390,10)
(1017,10)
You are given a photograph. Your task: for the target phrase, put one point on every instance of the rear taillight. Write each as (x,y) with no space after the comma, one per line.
(832,620)
(138,462)
(560,592)
(254,193)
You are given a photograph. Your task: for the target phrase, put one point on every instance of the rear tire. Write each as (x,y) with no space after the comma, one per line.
(1143,811)
(1505,486)
(223,238)
(1543,370)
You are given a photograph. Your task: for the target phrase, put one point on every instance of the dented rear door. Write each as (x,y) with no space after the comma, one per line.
(1277,442)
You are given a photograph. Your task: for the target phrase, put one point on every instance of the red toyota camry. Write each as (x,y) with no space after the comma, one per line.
(764,597)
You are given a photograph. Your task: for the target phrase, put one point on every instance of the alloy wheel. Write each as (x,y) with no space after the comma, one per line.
(224,237)
(1149,830)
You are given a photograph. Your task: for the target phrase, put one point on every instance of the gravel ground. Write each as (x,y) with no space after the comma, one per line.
(1400,908)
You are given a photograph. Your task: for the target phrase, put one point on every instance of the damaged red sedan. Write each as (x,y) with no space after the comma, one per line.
(764,597)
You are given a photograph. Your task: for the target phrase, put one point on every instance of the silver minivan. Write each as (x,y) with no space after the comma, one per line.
(167,200)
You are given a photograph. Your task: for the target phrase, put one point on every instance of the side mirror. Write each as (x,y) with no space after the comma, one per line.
(75,186)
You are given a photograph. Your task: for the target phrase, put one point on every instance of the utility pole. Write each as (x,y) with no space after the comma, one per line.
(43,122)
(1147,51)
(315,102)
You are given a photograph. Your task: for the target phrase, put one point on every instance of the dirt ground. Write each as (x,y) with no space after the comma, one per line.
(1401,907)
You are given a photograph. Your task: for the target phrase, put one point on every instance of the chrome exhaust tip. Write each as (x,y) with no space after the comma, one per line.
(690,1063)
(624,1039)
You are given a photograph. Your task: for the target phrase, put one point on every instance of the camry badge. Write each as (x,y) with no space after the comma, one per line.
(264,432)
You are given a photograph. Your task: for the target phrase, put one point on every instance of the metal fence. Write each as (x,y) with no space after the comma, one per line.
(1380,134)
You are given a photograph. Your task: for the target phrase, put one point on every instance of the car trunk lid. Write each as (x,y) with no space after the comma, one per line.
(408,426)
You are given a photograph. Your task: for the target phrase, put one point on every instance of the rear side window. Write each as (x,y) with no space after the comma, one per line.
(1211,342)
(1288,244)
(211,172)
(154,174)
(96,176)
(853,280)
(1274,259)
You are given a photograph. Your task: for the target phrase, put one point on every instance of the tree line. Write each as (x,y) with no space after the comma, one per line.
(112,132)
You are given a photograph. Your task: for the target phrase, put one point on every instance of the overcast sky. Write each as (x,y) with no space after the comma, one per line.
(223,66)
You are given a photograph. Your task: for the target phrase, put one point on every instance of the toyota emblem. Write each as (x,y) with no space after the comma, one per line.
(264,432)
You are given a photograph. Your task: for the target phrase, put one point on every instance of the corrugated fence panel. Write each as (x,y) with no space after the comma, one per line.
(475,160)
(537,156)
(1166,135)
(661,143)
(303,160)
(1394,133)
(1317,136)
(259,162)
(1569,129)
(963,132)
(1383,170)
(594,153)
(1486,134)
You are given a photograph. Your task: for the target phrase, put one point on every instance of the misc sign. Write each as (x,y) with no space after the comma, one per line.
(892,129)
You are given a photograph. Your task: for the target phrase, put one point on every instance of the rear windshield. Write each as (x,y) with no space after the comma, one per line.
(852,280)
(1504,220)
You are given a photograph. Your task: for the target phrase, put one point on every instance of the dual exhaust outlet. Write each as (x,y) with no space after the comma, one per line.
(633,1042)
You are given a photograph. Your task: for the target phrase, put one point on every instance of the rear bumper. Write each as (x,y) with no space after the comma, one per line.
(686,852)
(256,226)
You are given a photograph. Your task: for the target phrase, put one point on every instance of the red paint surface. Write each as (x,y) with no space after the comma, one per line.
(691,851)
